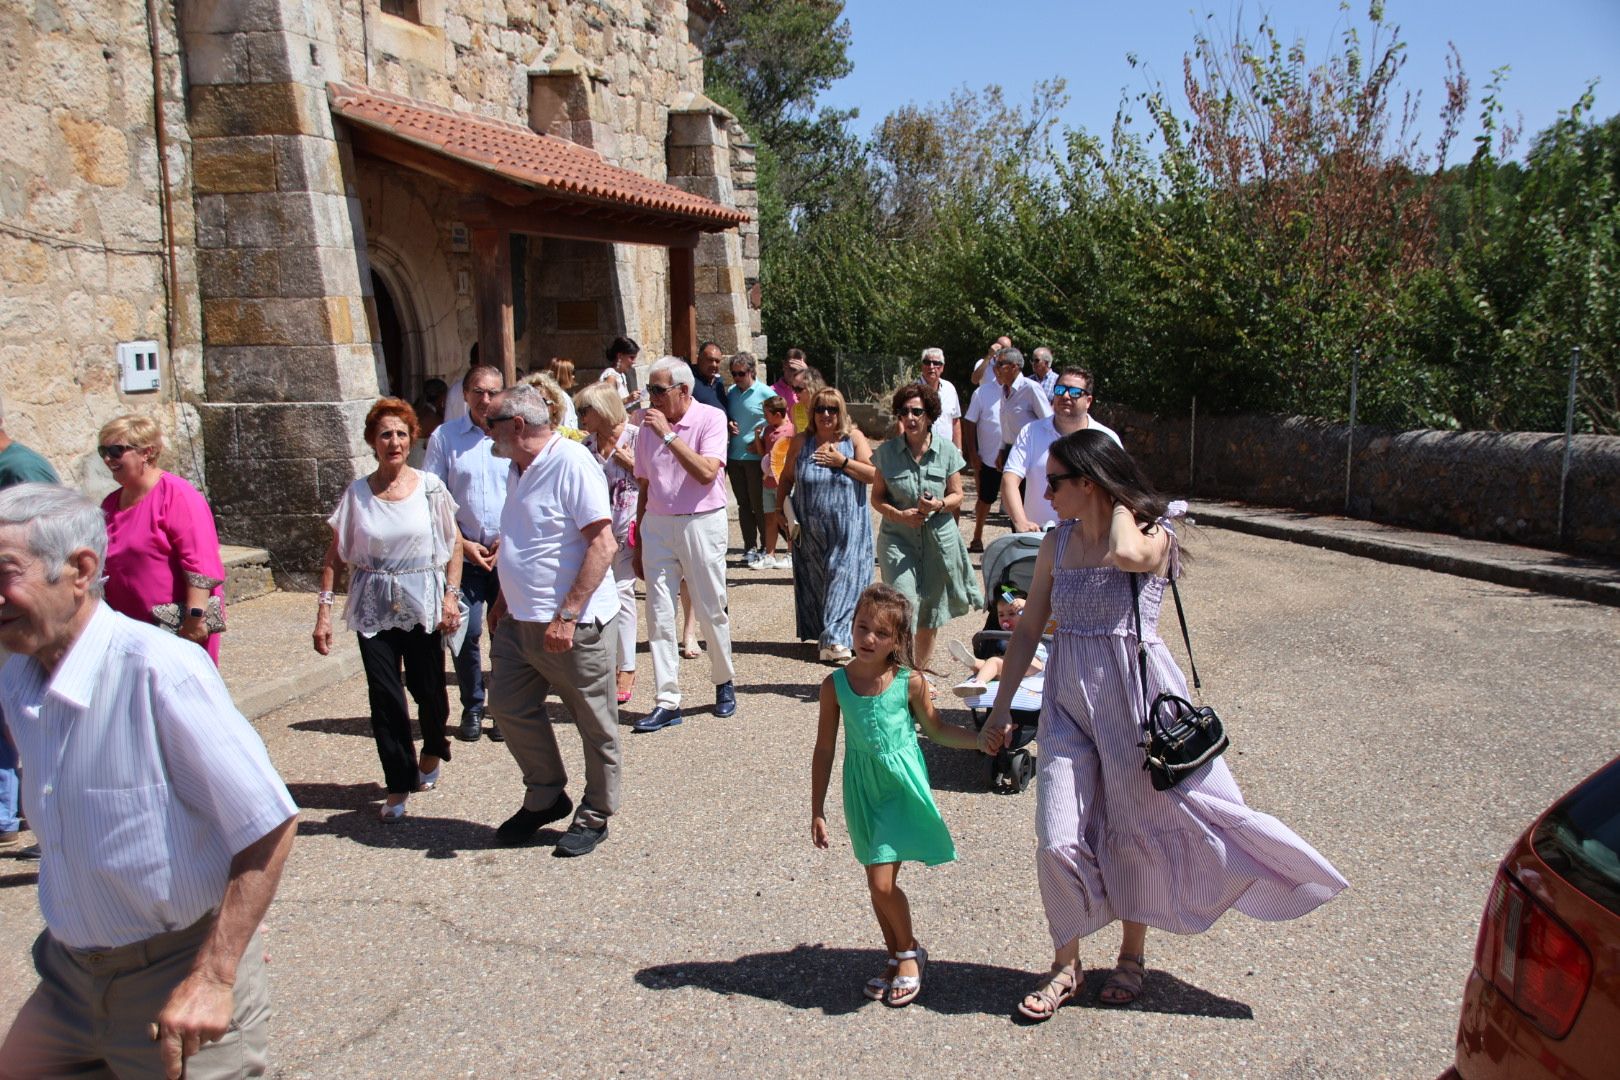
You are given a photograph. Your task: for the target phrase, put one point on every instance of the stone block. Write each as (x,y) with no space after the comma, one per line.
(256,373)
(240,272)
(323,430)
(229,166)
(259,109)
(216,58)
(304,163)
(695,129)
(312,321)
(218,422)
(100,152)
(270,219)
(287,58)
(260,479)
(230,16)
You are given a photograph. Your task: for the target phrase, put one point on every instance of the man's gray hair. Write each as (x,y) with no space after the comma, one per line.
(526,401)
(933,353)
(1043,353)
(1011,354)
(57,522)
(680,372)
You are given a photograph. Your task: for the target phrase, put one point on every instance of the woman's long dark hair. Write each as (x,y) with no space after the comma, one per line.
(1093,455)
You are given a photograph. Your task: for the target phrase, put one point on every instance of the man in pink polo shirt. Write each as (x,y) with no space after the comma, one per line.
(682,533)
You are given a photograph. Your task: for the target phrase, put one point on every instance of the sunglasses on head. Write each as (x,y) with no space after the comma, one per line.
(114,452)
(1070,391)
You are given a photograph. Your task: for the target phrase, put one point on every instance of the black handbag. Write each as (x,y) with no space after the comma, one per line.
(1180,737)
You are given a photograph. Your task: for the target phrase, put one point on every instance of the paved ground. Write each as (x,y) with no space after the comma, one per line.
(1407,723)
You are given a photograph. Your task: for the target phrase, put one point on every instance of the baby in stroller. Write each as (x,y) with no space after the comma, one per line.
(1009,565)
(1009,609)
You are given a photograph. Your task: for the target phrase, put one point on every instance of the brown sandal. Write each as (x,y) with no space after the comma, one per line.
(1057,987)
(1124,985)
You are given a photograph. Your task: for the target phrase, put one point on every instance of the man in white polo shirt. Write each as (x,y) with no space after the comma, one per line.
(162,824)
(948,428)
(1026,504)
(554,622)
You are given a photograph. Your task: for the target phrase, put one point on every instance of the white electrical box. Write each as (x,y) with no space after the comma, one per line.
(138,367)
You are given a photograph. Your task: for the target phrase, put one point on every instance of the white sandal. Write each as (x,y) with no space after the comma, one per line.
(908,985)
(876,986)
(391,813)
(427,781)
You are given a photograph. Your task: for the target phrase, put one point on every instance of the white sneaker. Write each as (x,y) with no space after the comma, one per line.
(835,654)
(970,688)
(751,558)
(963,653)
(784,562)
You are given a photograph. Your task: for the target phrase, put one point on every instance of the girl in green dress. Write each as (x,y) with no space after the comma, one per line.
(888,806)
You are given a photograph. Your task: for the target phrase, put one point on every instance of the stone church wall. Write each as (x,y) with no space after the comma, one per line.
(82,240)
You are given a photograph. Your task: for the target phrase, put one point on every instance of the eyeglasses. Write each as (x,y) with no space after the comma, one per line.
(659,391)
(933,363)
(910,410)
(1055,480)
(826,410)
(113,453)
(737,373)
(1070,391)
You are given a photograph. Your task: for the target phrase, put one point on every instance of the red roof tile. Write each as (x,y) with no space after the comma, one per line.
(516,153)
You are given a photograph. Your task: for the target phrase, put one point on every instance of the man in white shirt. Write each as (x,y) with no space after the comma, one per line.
(987,362)
(554,627)
(981,431)
(1022,400)
(162,824)
(948,428)
(1026,504)
(462,454)
(1044,373)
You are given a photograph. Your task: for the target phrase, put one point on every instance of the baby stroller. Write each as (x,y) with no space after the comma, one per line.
(1008,561)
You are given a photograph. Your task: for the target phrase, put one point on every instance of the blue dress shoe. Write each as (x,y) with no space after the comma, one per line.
(659,718)
(725,699)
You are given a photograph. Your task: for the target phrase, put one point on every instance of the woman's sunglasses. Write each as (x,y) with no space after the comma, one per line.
(826,410)
(910,410)
(114,452)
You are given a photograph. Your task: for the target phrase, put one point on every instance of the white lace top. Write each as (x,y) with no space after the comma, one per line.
(396,552)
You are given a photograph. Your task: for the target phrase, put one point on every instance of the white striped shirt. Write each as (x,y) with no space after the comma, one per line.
(140,778)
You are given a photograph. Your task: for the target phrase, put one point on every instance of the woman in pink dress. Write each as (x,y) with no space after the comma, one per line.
(162,546)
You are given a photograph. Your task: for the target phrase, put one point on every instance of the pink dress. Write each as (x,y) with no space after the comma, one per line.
(154,545)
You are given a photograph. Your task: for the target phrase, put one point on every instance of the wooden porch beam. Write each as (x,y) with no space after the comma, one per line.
(492,274)
(682,304)
(585,225)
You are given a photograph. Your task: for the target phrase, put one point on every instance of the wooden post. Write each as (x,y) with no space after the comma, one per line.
(492,280)
(682,305)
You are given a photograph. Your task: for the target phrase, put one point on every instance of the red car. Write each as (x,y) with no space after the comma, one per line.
(1543,999)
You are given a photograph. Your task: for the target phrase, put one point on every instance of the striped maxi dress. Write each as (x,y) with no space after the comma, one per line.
(1110,846)
(833,555)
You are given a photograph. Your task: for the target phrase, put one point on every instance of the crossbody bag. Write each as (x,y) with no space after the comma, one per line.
(1179,737)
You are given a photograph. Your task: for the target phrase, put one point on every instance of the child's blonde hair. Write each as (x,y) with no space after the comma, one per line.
(887,600)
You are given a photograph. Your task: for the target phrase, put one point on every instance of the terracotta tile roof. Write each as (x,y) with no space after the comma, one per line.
(521,155)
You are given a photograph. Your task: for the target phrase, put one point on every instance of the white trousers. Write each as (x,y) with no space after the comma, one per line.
(690,548)
(624,577)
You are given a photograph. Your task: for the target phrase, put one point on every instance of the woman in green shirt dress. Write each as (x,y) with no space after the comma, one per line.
(916,492)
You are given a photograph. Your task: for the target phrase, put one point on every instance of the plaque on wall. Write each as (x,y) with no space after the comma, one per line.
(576,315)
(460,237)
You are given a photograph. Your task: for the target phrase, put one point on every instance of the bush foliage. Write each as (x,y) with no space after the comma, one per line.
(1277,221)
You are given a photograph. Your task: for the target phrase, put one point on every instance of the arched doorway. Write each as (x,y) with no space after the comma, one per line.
(391,336)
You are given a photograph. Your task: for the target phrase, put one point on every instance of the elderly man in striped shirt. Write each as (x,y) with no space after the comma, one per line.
(163,825)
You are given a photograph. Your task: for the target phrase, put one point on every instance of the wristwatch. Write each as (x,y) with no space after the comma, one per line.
(669,437)
(195,613)
(568,615)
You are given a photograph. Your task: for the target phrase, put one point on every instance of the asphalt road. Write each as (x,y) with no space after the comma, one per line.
(1408,724)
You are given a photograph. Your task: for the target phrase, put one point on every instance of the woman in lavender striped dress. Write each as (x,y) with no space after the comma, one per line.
(1110,846)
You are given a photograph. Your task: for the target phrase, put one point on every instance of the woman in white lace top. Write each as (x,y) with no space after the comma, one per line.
(396,530)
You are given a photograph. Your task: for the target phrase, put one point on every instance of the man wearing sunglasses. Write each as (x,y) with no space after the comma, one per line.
(1027,505)
(745,407)
(682,533)
(1045,374)
(948,428)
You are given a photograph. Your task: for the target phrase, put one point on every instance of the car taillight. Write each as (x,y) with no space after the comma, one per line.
(1529,956)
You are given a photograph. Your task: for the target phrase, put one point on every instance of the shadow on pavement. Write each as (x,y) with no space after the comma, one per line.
(438,837)
(15,880)
(956,770)
(337,725)
(829,979)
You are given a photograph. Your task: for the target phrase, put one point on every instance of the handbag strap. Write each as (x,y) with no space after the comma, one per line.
(1141,652)
(1141,647)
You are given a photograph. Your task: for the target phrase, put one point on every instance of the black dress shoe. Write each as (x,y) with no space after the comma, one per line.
(521,826)
(580,839)
(495,732)
(472,724)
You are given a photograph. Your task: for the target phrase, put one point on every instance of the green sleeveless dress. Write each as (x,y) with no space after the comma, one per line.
(888,806)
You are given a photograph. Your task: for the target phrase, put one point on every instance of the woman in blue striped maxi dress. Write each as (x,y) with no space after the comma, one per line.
(1110,845)
(826,475)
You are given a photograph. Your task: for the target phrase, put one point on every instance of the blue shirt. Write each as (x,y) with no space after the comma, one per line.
(747,410)
(709,393)
(460,454)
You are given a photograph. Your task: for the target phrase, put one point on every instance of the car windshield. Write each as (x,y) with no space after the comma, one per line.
(1580,837)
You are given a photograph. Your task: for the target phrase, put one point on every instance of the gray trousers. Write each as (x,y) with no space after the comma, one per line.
(89,1016)
(583,677)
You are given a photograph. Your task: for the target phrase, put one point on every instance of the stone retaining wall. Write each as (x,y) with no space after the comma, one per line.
(1500,486)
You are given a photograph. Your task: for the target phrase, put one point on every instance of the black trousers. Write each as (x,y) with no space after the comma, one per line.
(422,657)
(748,485)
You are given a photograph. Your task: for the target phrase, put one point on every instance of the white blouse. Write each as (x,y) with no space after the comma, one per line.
(396,551)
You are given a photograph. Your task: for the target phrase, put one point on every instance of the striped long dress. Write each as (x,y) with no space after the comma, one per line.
(832,557)
(1111,847)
